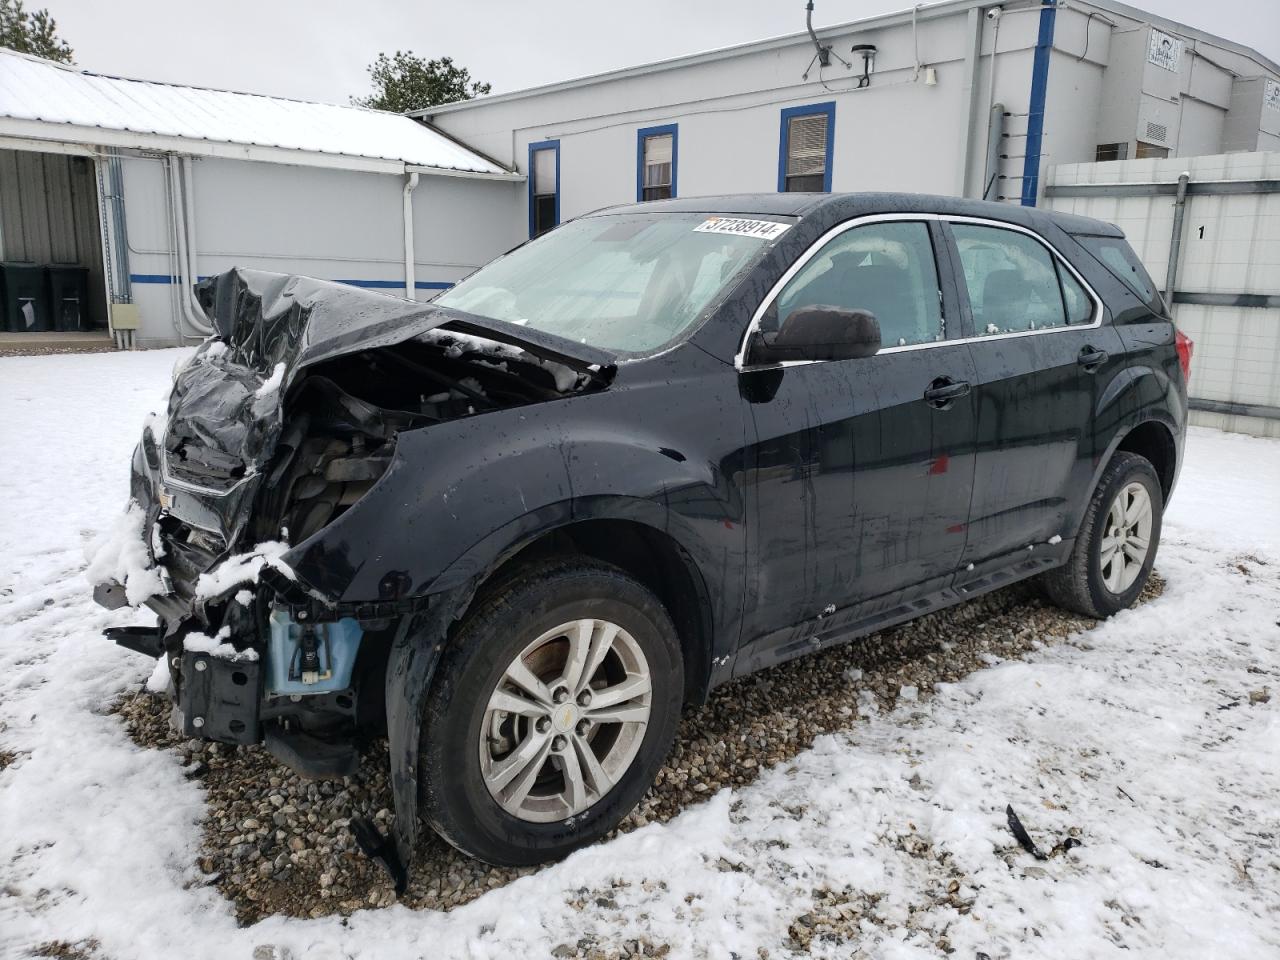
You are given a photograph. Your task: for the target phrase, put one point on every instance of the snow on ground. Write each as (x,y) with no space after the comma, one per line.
(1156,736)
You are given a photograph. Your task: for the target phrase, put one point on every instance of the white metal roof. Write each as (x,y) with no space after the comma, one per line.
(44,100)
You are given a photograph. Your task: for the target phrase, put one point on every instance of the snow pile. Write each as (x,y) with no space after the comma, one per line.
(216,646)
(272,383)
(1155,736)
(160,681)
(456,344)
(121,555)
(243,568)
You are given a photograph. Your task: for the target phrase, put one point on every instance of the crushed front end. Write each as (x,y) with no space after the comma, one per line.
(277,425)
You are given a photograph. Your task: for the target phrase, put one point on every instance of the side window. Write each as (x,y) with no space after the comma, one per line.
(1118,257)
(887,268)
(1079,307)
(1011,278)
(656,163)
(805,148)
(544,186)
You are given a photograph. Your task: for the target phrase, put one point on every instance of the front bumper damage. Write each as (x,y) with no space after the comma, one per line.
(256,655)
(279,626)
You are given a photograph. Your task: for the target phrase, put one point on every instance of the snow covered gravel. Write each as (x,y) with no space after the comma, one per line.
(1154,738)
(276,844)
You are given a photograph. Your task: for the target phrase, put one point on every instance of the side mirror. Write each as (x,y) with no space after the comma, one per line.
(819,333)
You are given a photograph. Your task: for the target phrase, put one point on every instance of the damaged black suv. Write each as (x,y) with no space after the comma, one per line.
(661,447)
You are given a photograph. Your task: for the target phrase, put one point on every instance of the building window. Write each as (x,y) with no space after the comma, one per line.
(805,145)
(656,155)
(1149,151)
(544,186)
(1112,151)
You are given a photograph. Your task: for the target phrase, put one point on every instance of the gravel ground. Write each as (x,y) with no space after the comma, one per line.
(277,844)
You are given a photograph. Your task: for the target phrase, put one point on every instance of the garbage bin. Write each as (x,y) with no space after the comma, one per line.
(69,297)
(26,297)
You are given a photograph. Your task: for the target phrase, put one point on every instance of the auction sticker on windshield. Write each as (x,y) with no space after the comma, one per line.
(761,229)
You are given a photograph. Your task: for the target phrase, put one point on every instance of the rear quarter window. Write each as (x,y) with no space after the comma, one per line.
(1118,257)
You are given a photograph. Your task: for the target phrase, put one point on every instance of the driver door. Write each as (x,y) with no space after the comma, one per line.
(857,486)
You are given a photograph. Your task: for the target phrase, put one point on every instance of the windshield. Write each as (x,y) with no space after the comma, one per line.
(629,282)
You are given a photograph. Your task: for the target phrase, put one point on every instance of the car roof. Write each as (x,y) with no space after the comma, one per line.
(840,206)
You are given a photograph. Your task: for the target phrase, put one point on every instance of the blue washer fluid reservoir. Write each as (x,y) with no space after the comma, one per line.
(336,646)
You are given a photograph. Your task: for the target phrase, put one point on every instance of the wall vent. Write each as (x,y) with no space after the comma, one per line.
(1157,131)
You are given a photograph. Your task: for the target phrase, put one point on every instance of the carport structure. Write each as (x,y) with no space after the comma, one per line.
(145,187)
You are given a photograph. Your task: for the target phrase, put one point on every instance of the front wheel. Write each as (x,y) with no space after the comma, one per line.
(551,714)
(1116,548)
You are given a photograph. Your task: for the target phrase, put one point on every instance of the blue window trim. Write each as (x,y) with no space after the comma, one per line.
(534,148)
(641,135)
(784,135)
(1035,110)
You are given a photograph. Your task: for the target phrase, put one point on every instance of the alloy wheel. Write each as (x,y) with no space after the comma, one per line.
(1126,539)
(565,720)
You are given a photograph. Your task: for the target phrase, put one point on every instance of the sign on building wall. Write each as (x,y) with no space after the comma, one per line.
(1271,97)
(1164,50)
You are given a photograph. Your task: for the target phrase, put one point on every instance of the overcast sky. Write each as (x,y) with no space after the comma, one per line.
(319,49)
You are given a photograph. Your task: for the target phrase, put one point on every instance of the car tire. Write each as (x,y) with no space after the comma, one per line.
(1106,570)
(480,724)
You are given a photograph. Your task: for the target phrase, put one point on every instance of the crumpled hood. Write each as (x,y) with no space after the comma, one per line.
(270,318)
(225,414)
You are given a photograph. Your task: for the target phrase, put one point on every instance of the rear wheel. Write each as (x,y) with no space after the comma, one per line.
(1116,548)
(552,713)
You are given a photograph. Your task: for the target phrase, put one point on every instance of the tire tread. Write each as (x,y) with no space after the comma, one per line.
(1068,586)
(503,604)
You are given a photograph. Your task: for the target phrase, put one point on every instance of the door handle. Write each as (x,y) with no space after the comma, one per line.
(1092,359)
(944,390)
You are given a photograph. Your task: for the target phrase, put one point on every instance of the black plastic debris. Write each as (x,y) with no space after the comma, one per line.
(381,849)
(1020,834)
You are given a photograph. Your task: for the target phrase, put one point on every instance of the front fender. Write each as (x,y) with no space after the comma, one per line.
(460,495)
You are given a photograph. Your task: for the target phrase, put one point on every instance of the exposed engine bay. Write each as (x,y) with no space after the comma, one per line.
(343,419)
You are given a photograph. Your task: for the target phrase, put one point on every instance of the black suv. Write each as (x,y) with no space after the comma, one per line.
(660,447)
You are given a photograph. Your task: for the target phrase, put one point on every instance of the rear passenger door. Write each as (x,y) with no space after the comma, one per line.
(1042,356)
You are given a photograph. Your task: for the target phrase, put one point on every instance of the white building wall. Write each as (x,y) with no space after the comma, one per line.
(1230,245)
(898,134)
(332,224)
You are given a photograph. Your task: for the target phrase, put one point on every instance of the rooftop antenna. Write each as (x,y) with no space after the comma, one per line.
(822,56)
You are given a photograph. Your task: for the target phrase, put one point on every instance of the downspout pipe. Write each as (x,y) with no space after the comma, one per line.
(990,168)
(171,260)
(1175,238)
(121,284)
(995,139)
(192,310)
(185,276)
(410,280)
